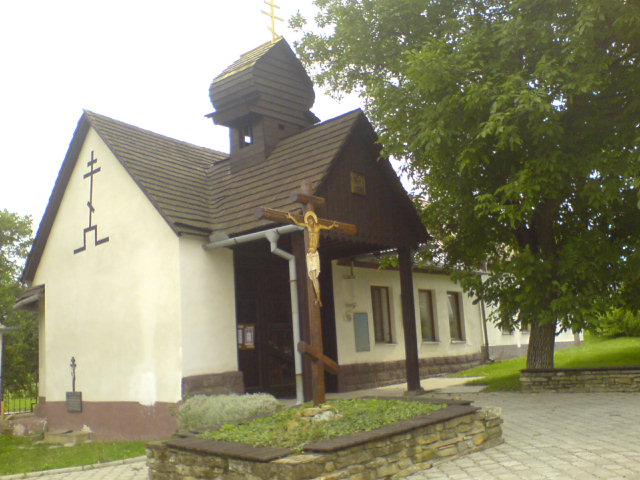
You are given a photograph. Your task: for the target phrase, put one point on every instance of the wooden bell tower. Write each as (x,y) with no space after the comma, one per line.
(263,97)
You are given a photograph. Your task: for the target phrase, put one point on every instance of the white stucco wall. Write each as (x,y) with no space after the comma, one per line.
(208,309)
(115,307)
(354,296)
(42,357)
(498,338)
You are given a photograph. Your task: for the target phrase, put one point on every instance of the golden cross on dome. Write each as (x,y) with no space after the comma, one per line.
(274,17)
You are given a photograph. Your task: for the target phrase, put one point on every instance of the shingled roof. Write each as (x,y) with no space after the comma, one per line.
(192,187)
(173,174)
(246,60)
(267,80)
(305,157)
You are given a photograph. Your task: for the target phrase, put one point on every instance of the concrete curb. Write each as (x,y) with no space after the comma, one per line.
(58,471)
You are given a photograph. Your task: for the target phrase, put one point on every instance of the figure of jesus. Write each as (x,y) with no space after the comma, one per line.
(313,226)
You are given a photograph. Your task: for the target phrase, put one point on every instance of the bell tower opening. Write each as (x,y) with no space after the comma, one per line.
(246,136)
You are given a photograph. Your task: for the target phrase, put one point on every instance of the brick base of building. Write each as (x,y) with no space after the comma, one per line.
(360,376)
(213,384)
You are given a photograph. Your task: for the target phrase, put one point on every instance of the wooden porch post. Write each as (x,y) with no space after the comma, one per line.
(409,320)
(304,285)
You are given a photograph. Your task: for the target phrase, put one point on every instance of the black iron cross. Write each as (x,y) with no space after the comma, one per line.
(91,228)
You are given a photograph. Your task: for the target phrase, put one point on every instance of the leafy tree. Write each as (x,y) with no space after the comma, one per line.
(619,322)
(21,346)
(519,122)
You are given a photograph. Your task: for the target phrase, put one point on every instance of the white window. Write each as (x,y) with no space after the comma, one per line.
(456,323)
(381,314)
(427,316)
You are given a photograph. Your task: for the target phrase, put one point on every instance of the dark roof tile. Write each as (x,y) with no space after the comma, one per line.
(173,174)
(193,188)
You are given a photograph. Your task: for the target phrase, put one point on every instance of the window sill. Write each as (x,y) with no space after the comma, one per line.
(459,341)
(386,343)
(431,342)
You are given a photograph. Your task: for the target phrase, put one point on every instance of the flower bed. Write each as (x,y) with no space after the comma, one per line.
(397,449)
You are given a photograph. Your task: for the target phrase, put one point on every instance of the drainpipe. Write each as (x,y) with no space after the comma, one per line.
(272,236)
(487,355)
(250,237)
(295,310)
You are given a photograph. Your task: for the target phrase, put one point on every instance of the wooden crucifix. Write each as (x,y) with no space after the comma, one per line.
(312,227)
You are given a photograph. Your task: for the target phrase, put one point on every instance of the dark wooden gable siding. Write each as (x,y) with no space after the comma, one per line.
(385,216)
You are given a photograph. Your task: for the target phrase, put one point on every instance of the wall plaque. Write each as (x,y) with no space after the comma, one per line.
(361,327)
(246,337)
(358,184)
(74,402)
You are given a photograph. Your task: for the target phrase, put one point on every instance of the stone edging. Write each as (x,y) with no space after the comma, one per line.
(80,468)
(243,451)
(581,380)
(393,451)
(622,368)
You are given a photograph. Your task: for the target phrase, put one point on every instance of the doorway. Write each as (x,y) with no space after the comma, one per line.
(263,315)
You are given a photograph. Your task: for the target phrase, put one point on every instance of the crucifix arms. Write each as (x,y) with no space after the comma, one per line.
(287,217)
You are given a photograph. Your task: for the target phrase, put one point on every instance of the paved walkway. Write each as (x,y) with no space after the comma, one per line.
(547,436)
(555,436)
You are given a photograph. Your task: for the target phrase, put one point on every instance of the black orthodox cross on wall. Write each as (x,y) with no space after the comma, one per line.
(91,228)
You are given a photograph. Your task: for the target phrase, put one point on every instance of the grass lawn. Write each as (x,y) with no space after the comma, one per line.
(19,455)
(596,352)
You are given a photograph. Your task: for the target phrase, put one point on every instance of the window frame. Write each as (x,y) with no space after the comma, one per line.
(381,337)
(432,313)
(459,317)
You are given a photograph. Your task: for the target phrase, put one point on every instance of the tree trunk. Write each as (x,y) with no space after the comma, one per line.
(541,344)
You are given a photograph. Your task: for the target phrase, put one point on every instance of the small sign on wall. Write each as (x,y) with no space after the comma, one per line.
(361,328)
(246,337)
(74,402)
(358,184)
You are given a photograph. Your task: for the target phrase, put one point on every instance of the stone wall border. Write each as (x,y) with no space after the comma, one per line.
(392,451)
(581,380)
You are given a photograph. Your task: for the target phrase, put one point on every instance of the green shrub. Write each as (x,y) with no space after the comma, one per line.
(203,412)
(619,322)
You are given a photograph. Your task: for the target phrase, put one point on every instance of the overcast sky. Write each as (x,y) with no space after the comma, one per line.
(148,63)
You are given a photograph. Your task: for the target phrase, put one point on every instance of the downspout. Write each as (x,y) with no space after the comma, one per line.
(487,355)
(483,313)
(272,236)
(295,309)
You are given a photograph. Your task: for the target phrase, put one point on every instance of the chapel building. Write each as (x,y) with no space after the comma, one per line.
(154,269)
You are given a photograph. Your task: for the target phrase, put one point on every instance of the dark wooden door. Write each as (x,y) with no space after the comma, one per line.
(263,299)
